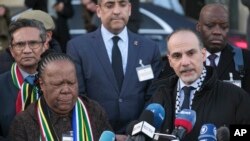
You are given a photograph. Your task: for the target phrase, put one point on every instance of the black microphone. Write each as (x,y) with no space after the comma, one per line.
(129,130)
(223,134)
(143,129)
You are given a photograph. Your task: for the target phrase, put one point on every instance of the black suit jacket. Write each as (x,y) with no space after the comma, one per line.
(8,95)
(227,65)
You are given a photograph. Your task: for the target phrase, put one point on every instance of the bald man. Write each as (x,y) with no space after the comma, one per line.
(213,26)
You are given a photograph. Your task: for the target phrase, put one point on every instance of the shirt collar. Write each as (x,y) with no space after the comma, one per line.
(194,84)
(217,53)
(107,35)
(25,74)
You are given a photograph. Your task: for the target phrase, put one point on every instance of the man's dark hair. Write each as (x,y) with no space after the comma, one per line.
(15,25)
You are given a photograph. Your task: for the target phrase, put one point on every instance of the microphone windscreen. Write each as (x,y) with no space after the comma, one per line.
(186,118)
(207,132)
(147,116)
(107,136)
(159,114)
(223,134)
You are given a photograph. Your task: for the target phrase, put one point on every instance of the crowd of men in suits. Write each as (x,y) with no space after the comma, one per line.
(123,72)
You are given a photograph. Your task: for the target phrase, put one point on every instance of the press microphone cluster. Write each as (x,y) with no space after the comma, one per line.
(151,120)
(144,128)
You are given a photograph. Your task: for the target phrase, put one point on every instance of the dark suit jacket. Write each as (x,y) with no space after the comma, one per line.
(97,80)
(6,61)
(227,65)
(8,95)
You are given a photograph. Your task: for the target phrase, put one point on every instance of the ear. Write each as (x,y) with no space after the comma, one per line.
(48,35)
(204,52)
(12,52)
(169,60)
(98,11)
(41,84)
(198,26)
(130,7)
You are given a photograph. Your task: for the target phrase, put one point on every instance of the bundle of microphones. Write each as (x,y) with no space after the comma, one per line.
(151,119)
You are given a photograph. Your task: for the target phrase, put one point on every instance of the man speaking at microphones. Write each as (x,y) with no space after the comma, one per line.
(197,88)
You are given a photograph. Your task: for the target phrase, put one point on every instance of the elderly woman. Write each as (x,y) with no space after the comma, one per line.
(59,114)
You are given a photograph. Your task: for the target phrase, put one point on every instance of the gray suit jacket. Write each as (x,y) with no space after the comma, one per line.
(97,80)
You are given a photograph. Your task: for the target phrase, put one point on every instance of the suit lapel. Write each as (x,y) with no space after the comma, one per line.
(133,51)
(225,61)
(102,55)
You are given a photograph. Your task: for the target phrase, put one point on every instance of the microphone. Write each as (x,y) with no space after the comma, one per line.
(141,130)
(145,125)
(159,114)
(107,136)
(207,133)
(129,130)
(184,123)
(223,134)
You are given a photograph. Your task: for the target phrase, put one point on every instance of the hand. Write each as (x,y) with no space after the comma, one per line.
(120,137)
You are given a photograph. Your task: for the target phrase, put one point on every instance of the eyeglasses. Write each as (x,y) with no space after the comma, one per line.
(31,44)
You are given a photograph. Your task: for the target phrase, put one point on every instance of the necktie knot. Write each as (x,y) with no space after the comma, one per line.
(187,91)
(212,58)
(30,79)
(115,39)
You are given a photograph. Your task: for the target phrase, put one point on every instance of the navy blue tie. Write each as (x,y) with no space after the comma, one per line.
(212,58)
(117,62)
(30,79)
(187,92)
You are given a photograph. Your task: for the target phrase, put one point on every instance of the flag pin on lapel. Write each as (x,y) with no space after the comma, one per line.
(136,43)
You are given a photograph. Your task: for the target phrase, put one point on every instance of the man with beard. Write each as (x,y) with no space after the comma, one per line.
(230,62)
(213,101)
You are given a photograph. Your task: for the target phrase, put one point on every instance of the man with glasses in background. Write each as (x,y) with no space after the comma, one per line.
(18,89)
